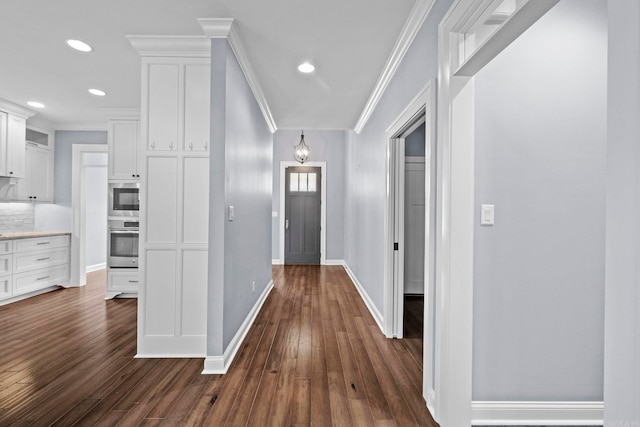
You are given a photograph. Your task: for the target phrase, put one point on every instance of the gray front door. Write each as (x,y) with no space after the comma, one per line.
(302,215)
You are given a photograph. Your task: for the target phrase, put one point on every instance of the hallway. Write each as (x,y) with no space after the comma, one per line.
(314,354)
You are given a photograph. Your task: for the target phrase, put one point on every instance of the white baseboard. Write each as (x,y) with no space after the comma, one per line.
(334,262)
(276,262)
(537,413)
(96,267)
(220,364)
(377,316)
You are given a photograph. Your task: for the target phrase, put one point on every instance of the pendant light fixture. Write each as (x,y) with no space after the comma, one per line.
(301,151)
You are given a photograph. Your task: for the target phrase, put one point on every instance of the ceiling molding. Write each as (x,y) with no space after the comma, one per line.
(70,126)
(15,109)
(171,46)
(418,14)
(122,113)
(225,28)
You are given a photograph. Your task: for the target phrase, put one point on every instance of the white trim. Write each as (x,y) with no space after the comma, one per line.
(171,46)
(225,28)
(122,113)
(377,316)
(15,109)
(335,262)
(78,273)
(92,127)
(537,413)
(276,262)
(323,207)
(220,364)
(96,267)
(414,22)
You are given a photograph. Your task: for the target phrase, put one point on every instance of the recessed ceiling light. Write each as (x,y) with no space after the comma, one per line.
(36,104)
(79,45)
(97,92)
(306,68)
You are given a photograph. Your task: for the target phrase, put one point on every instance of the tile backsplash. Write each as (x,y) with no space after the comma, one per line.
(16,217)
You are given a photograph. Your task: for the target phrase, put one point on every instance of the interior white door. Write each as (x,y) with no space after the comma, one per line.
(414,225)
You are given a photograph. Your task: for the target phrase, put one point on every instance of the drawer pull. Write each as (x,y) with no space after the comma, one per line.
(43,243)
(42,278)
(42,259)
(133,281)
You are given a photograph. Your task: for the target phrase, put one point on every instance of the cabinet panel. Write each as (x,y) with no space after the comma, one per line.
(6,265)
(35,280)
(123,149)
(3,143)
(196,107)
(196,200)
(123,281)
(163,92)
(16,137)
(6,246)
(25,261)
(40,163)
(160,292)
(6,287)
(194,292)
(162,200)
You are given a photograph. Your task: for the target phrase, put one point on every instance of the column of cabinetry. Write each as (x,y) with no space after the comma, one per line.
(174,204)
(13,124)
(124,138)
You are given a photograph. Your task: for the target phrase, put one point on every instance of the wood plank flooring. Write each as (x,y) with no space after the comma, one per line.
(314,356)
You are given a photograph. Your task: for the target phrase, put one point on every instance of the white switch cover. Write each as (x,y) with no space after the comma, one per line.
(274,214)
(231,214)
(487,214)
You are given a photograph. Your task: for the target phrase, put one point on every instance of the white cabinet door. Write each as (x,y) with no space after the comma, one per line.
(195,208)
(196,107)
(3,143)
(16,137)
(123,149)
(37,185)
(163,96)
(161,219)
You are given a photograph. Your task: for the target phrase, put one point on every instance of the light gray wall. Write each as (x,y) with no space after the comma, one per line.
(622,310)
(328,146)
(241,173)
(414,142)
(538,316)
(365,195)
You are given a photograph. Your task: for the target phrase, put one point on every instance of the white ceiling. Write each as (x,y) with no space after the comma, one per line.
(349,41)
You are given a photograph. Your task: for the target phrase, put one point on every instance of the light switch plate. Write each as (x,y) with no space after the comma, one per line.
(274,214)
(487,214)
(231,213)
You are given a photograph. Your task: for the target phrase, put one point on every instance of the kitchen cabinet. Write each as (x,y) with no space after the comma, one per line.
(37,185)
(123,149)
(12,145)
(121,281)
(33,264)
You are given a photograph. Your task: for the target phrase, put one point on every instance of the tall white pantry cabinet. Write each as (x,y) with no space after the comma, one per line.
(174,197)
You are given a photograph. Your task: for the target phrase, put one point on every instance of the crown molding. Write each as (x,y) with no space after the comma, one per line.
(416,18)
(171,46)
(225,28)
(122,113)
(80,126)
(15,109)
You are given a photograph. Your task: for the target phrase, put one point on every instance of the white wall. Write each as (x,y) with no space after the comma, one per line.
(366,162)
(240,176)
(622,295)
(96,209)
(540,146)
(328,146)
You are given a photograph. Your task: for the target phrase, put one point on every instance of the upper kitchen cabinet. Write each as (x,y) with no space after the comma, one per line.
(124,138)
(178,105)
(37,184)
(13,125)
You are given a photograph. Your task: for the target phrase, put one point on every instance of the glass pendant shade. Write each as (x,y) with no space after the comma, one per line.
(301,151)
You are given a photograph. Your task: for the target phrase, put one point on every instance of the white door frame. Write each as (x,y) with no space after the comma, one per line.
(455,198)
(78,276)
(323,207)
(420,110)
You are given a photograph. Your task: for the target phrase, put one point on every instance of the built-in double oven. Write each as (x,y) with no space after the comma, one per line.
(123,223)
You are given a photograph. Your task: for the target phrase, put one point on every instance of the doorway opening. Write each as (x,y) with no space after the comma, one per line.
(302,215)
(410,230)
(284,165)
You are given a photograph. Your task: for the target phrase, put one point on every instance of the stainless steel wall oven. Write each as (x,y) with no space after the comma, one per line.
(122,243)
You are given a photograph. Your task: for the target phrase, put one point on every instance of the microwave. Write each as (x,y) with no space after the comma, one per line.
(124,199)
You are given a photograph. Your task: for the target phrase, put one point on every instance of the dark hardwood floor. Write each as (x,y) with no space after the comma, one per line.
(314,356)
(414,325)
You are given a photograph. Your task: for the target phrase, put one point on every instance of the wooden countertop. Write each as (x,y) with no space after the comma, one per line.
(31,234)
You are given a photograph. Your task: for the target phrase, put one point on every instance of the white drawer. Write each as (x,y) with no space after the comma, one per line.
(123,282)
(39,243)
(6,265)
(6,246)
(39,259)
(6,287)
(35,280)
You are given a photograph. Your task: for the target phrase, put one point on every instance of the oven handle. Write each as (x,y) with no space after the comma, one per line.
(123,231)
